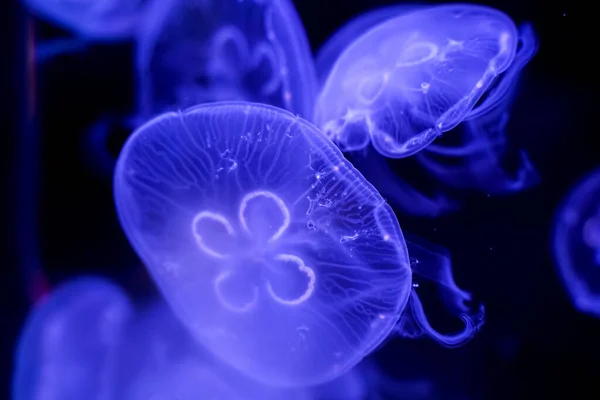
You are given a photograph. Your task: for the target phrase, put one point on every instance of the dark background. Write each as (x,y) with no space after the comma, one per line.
(534,343)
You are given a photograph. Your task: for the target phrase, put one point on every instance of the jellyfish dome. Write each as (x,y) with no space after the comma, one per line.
(410,78)
(273,250)
(193,52)
(577,244)
(91,19)
(69,345)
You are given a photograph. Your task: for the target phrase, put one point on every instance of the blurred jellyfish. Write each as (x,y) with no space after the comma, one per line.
(159,360)
(577,244)
(410,78)
(270,247)
(90,20)
(193,52)
(68,347)
(474,155)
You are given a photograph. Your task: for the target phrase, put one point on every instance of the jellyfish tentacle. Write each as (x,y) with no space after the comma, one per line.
(472,324)
(433,263)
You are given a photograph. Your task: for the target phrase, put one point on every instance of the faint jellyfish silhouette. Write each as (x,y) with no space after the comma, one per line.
(269,246)
(410,78)
(206,51)
(69,344)
(160,360)
(90,20)
(476,154)
(576,243)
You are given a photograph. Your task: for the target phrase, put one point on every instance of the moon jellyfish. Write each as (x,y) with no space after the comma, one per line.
(160,360)
(410,78)
(67,349)
(278,256)
(104,20)
(577,244)
(193,52)
(475,156)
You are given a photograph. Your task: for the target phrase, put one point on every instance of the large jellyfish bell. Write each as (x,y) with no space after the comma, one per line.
(411,78)
(577,244)
(193,52)
(268,244)
(272,249)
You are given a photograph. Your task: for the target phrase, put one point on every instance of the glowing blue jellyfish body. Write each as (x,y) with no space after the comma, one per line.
(411,78)
(268,244)
(577,244)
(91,19)
(272,249)
(69,345)
(193,52)
(474,155)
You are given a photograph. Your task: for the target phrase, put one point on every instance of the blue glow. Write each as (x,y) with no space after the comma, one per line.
(410,78)
(205,51)
(68,347)
(99,20)
(433,263)
(271,248)
(473,155)
(577,244)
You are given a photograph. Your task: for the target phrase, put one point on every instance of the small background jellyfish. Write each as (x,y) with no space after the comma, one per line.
(475,155)
(410,78)
(197,52)
(576,244)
